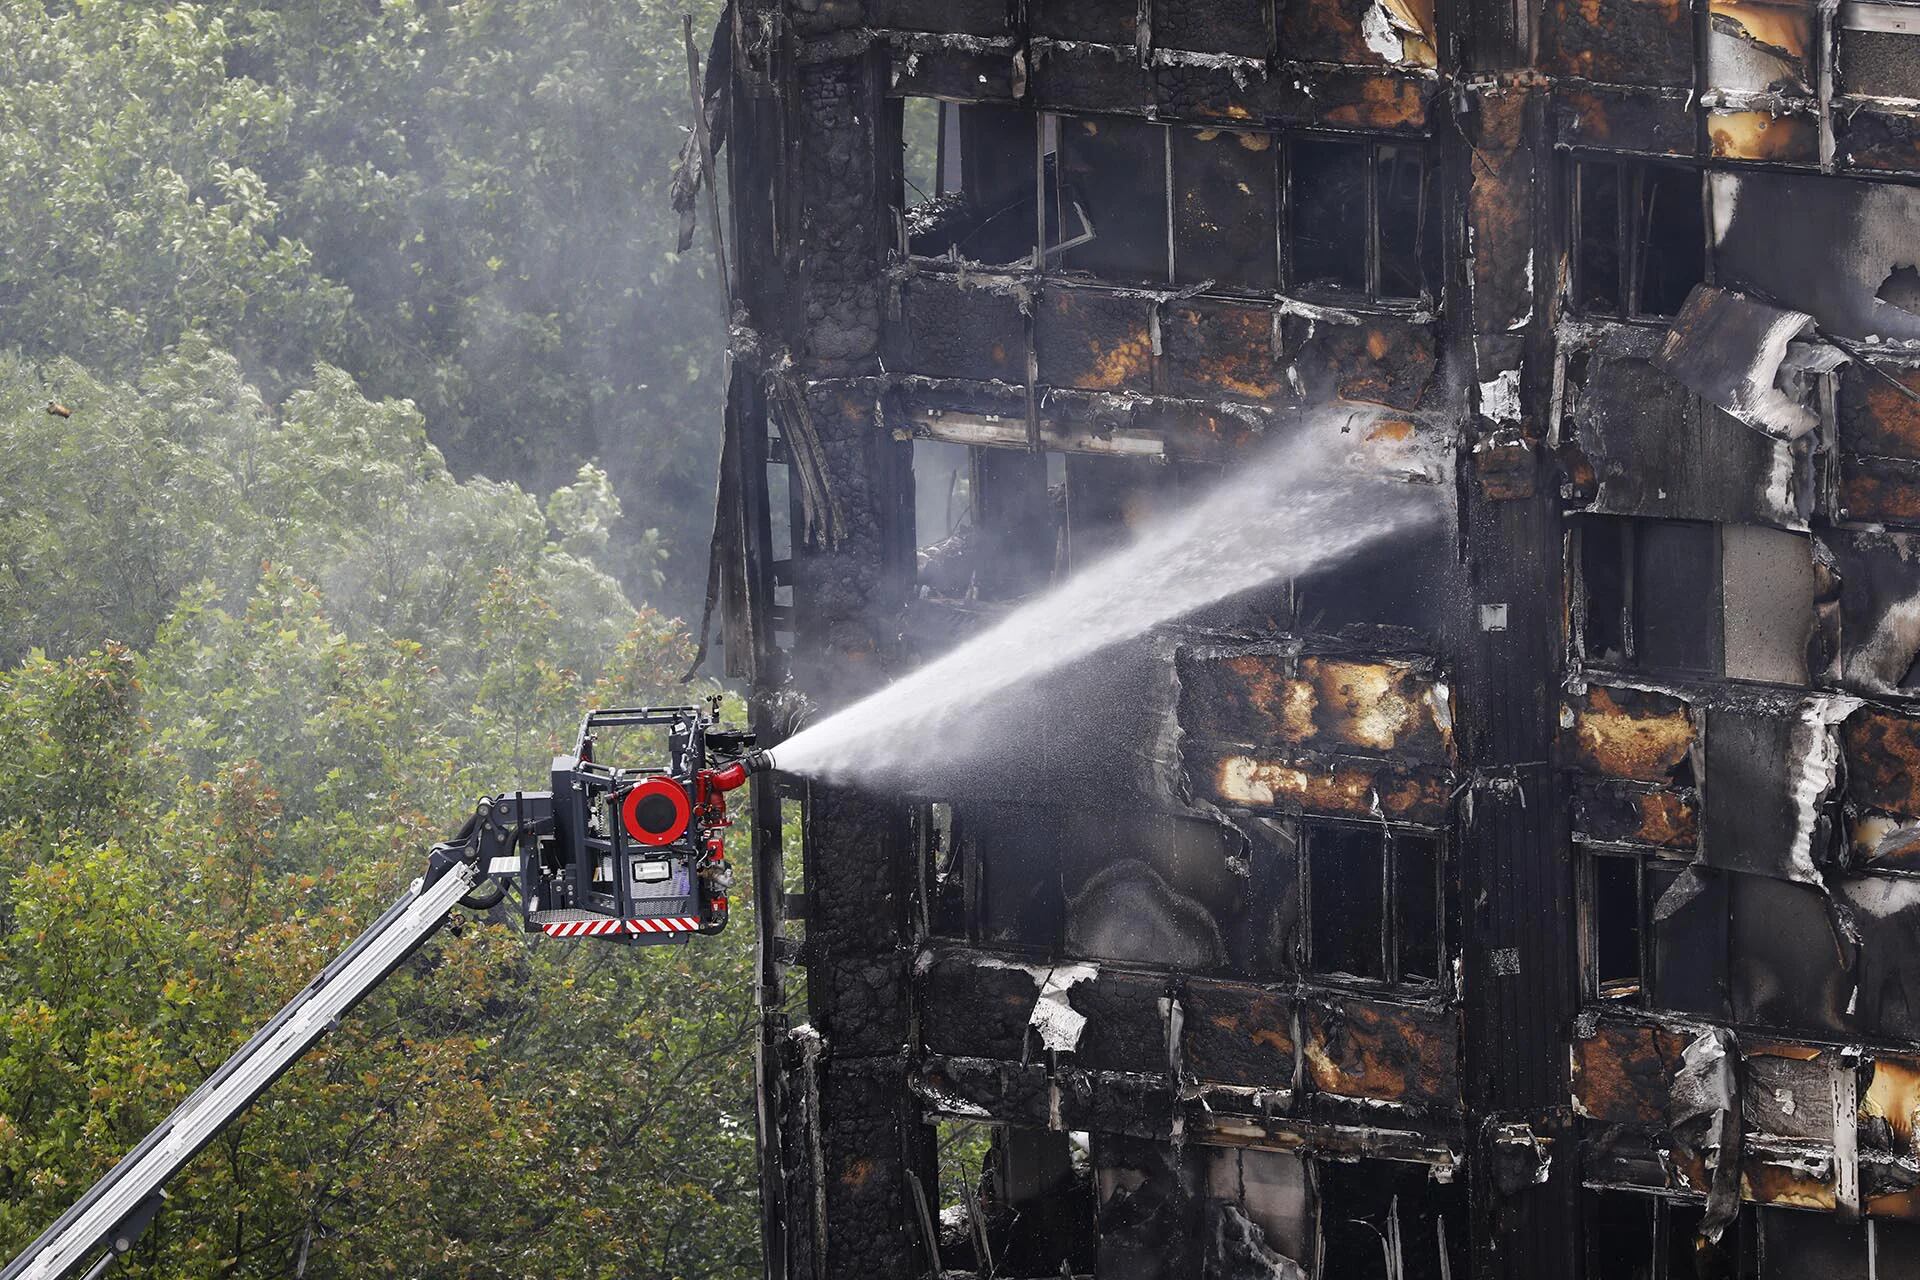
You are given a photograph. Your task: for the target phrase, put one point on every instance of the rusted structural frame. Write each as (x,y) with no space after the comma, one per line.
(1540,775)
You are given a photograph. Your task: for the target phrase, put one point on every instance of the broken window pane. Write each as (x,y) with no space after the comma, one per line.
(1118,169)
(943,869)
(1017,523)
(1151,890)
(1669,238)
(1271,1191)
(1409,238)
(1416,905)
(1676,574)
(1388,1220)
(1798,1243)
(1346,877)
(1596,273)
(1013,853)
(919,150)
(1615,931)
(1896,1250)
(1619,1230)
(1327,198)
(1108,498)
(1640,232)
(1067,223)
(1690,945)
(1226,205)
(1606,583)
(985,208)
(944,535)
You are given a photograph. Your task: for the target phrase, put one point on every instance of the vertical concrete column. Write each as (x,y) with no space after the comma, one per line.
(848,594)
(1517,886)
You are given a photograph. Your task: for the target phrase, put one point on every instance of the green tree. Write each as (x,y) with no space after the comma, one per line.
(198,819)
(459,204)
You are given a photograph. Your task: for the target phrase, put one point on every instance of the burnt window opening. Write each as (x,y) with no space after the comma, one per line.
(1696,598)
(921,152)
(1654,932)
(1361,219)
(983,206)
(937,834)
(1631,1236)
(1136,201)
(1115,170)
(1373,898)
(1018,514)
(1012,1200)
(1389,1220)
(1226,208)
(1639,231)
(791,861)
(944,535)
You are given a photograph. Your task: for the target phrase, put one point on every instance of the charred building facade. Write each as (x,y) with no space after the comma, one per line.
(1535,896)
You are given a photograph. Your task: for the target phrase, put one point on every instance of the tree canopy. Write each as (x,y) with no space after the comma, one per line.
(294,649)
(461,204)
(360,425)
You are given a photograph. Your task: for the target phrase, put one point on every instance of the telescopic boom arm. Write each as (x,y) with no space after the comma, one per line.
(118,1207)
(633,855)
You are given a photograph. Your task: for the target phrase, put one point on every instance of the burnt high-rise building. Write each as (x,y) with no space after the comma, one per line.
(1530,895)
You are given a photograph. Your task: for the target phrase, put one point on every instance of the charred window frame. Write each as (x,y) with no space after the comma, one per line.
(1638,230)
(1654,931)
(1374,899)
(1388,1220)
(1693,597)
(1633,1236)
(1388,254)
(1351,218)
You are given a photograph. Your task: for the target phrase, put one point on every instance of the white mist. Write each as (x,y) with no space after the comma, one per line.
(1304,506)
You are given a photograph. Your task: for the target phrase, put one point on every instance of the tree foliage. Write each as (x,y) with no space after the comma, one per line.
(260,658)
(462,204)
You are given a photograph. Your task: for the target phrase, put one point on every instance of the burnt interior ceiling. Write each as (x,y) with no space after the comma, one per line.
(1538,895)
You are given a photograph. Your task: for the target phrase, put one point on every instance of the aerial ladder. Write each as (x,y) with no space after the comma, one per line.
(628,854)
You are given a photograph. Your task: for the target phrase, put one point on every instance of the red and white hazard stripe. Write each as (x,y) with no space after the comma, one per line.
(581,928)
(599,928)
(664,924)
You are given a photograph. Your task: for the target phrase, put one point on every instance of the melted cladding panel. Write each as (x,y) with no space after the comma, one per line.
(1658,124)
(1656,449)
(1094,341)
(1882,750)
(958,332)
(1646,42)
(1616,813)
(1623,1073)
(1238,1035)
(1382,1052)
(1878,418)
(1627,733)
(1359,32)
(1221,349)
(1879,609)
(1327,704)
(1879,141)
(1864,230)
(1794,970)
(1237,27)
(1296,782)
